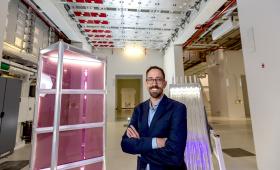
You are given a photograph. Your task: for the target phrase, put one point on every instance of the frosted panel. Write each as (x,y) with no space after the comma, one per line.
(48,76)
(78,72)
(78,109)
(82,73)
(80,145)
(75,109)
(95,166)
(46,110)
(74,146)
(43,151)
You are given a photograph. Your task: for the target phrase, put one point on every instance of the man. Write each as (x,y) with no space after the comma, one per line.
(158,128)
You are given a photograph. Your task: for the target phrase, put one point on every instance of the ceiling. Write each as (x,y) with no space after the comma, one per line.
(229,41)
(115,23)
(196,51)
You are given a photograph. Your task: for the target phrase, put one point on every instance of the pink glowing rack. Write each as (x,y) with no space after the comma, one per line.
(69,121)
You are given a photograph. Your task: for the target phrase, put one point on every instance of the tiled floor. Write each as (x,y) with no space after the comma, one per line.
(14,165)
(234,134)
(237,152)
(20,154)
(116,159)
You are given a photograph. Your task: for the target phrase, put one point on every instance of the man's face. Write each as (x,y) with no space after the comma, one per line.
(155,83)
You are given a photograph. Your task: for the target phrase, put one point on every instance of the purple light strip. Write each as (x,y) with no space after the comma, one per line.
(197,153)
(83,145)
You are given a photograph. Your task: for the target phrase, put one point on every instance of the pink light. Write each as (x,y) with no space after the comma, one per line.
(77,61)
(85,85)
(86,75)
(83,146)
(86,72)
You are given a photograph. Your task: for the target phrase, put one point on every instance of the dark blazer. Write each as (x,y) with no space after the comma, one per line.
(168,122)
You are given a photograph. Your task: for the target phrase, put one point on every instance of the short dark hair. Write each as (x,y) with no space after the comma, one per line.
(155,67)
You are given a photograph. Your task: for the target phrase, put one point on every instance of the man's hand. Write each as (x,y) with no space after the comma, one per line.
(131,132)
(161,142)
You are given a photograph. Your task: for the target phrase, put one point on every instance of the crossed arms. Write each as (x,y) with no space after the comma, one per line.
(168,151)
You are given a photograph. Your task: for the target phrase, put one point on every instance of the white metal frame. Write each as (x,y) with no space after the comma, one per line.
(217,149)
(78,164)
(61,46)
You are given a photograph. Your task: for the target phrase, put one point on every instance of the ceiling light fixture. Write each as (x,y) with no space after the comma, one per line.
(134,51)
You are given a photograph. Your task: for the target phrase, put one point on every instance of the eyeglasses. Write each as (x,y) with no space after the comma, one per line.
(157,80)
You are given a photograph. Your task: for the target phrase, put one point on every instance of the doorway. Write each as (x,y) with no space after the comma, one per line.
(128,95)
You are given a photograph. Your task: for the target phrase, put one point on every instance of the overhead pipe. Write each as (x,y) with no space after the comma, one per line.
(12,50)
(17,71)
(19,66)
(205,26)
(44,18)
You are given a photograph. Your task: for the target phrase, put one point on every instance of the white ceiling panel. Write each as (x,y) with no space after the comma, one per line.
(115,23)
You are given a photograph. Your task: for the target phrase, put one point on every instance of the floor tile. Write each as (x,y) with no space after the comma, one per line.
(237,152)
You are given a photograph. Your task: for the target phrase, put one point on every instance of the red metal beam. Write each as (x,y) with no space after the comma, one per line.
(204,27)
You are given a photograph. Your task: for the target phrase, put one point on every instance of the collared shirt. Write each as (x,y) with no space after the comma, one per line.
(152,111)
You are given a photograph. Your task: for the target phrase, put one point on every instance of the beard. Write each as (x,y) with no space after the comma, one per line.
(155,94)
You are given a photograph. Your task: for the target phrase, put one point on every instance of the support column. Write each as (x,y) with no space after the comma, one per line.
(259,26)
(217,84)
(3,17)
(173,64)
(225,71)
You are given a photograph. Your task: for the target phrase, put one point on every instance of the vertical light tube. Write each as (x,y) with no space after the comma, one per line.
(83,145)
(104,115)
(56,122)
